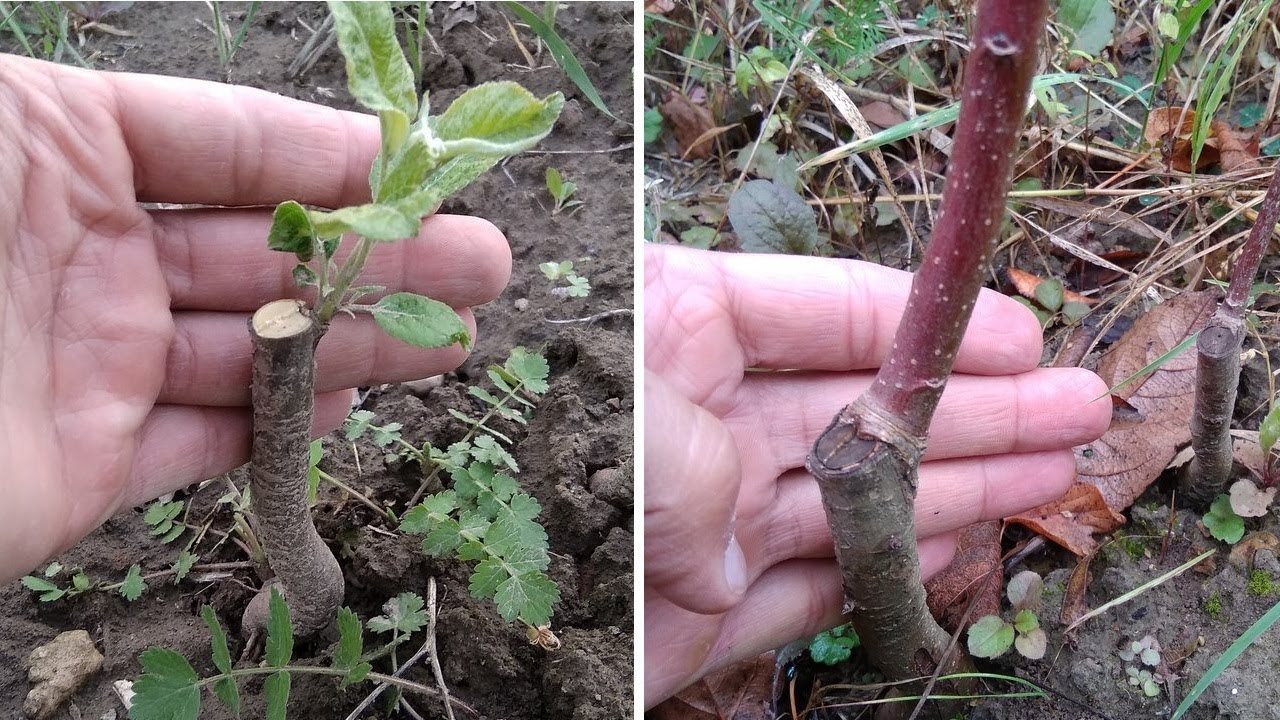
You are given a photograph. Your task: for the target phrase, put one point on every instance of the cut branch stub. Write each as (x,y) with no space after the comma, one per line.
(285,334)
(867,459)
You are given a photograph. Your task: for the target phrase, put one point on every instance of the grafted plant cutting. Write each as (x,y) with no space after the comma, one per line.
(423,160)
(866,460)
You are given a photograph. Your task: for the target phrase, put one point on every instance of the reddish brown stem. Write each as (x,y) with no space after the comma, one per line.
(867,459)
(1218,363)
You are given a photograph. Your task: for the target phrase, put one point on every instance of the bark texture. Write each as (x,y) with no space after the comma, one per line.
(1218,363)
(285,335)
(866,461)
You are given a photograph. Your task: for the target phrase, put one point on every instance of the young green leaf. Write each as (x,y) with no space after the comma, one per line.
(378,75)
(350,644)
(420,321)
(443,182)
(358,423)
(386,223)
(279,631)
(1032,644)
(54,568)
(225,689)
(404,615)
(1025,621)
(528,596)
(1269,431)
(80,581)
(555,186)
(167,688)
(1049,294)
(770,217)
(652,125)
(276,690)
(291,231)
(990,637)
(833,646)
(497,119)
(182,566)
(531,369)
(40,585)
(133,586)
(1222,521)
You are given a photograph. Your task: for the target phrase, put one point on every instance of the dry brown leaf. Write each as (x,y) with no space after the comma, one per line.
(691,122)
(883,114)
(1074,605)
(1072,519)
(1026,283)
(973,577)
(1236,151)
(1242,554)
(1139,445)
(742,691)
(1169,129)
(1249,500)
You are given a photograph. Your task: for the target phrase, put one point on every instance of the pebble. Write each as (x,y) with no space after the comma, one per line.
(56,670)
(522,304)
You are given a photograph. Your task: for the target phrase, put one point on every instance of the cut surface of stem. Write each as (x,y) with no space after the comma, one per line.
(866,460)
(285,334)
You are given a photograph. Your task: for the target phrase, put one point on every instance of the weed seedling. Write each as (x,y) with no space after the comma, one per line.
(561,190)
(162,518)
(423,160)
(1223,522)
(1143,658)
(834,646)
(991,636)
(575,284)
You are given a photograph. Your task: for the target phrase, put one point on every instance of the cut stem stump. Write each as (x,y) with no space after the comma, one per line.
(285,334)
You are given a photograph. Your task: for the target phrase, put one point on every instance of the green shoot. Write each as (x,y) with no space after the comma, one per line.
(576,285)
(561,190)
(1255,630)
(1223,522)
(991,636)
(1154,364)
(170,689)
(1219,71)
(1141,655)
(564,57)
(131,587)
(1269,430)
(226,44)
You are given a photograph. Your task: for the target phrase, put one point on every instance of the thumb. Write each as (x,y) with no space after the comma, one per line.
(691,479)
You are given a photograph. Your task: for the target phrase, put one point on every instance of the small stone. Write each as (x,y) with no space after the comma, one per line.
(522,304)
(56,670)
(1265,560)
(425,385)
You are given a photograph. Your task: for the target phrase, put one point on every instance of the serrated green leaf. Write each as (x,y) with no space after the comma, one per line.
(276,691)
(771,217)
(132,587)
(524,506)
(279,631)
(52,595)
(228,693)
(472,551)
(182,566)
(378,75)
(167,688)
(1269,430)
(403,614)
(375,221)
(217,640)
(990,637)
(420,321)
(1049,294)
(357,423)
(291,231)
(530,368)
(528,596)
(356,673)
(350,644)
(160,511)
(487,576)
(833,646)
(443,538)
(562,53)
(174,532)
(33,583)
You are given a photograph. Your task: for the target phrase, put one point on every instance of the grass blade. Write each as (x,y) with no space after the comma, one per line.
(560,51)
(1255,630)
(1140,589)
(1153,365)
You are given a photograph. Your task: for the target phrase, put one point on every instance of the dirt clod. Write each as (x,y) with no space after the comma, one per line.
(56,670)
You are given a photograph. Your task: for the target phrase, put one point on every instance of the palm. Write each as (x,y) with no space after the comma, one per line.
(124,354)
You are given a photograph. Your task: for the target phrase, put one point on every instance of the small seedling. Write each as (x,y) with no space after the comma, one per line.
(162,517)
(1141,655)
(1223,522)
(131,587)
(561,191)
(834,646)
(576,285)
(991,636)
(1049,305)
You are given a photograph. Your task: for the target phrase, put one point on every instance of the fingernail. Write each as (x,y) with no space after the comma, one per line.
(735,566)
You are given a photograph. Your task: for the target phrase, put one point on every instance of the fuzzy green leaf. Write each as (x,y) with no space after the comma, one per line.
(444,181)
(1026,621)
(375,221)
(529,368)
(378,75)
(1269,431)
(228,693)
(276,690)
(1032,644)
(425,515)
(990,637)
(408,170)
(167,688)
(291,231)
(771,217)
(132,587)
(420,321)
(443,538)
(1074,310)
(357,423)
(54,568)
(497,119)
(486,578)
(350,645)
(279,632)
(1222,521)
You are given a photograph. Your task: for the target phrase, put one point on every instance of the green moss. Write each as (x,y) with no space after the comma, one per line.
(1260,583)
(1213,606)
(1131,545)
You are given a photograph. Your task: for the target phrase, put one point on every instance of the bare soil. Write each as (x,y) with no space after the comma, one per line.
(575,456)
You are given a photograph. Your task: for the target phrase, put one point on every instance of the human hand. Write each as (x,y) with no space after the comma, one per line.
(725,448)
(124,345)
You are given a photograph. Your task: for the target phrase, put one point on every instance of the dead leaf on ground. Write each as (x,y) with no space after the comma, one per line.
(1249,500)
(1242,554)
(1170,128)
(1026,283)
(691,122)
(973,577)
(1074,605)
(458,12)
(1236,150)
(1133,452)
(659,7)
(743,691)
(882,114)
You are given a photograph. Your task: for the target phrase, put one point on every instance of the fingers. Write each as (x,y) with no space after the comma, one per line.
(780,311)
(229,145)
(953,494)
(691,486)
(776,416)
(180,445)
(210,358)
(218,260)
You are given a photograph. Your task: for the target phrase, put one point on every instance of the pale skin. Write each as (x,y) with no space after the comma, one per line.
(738,556)
(124,347)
